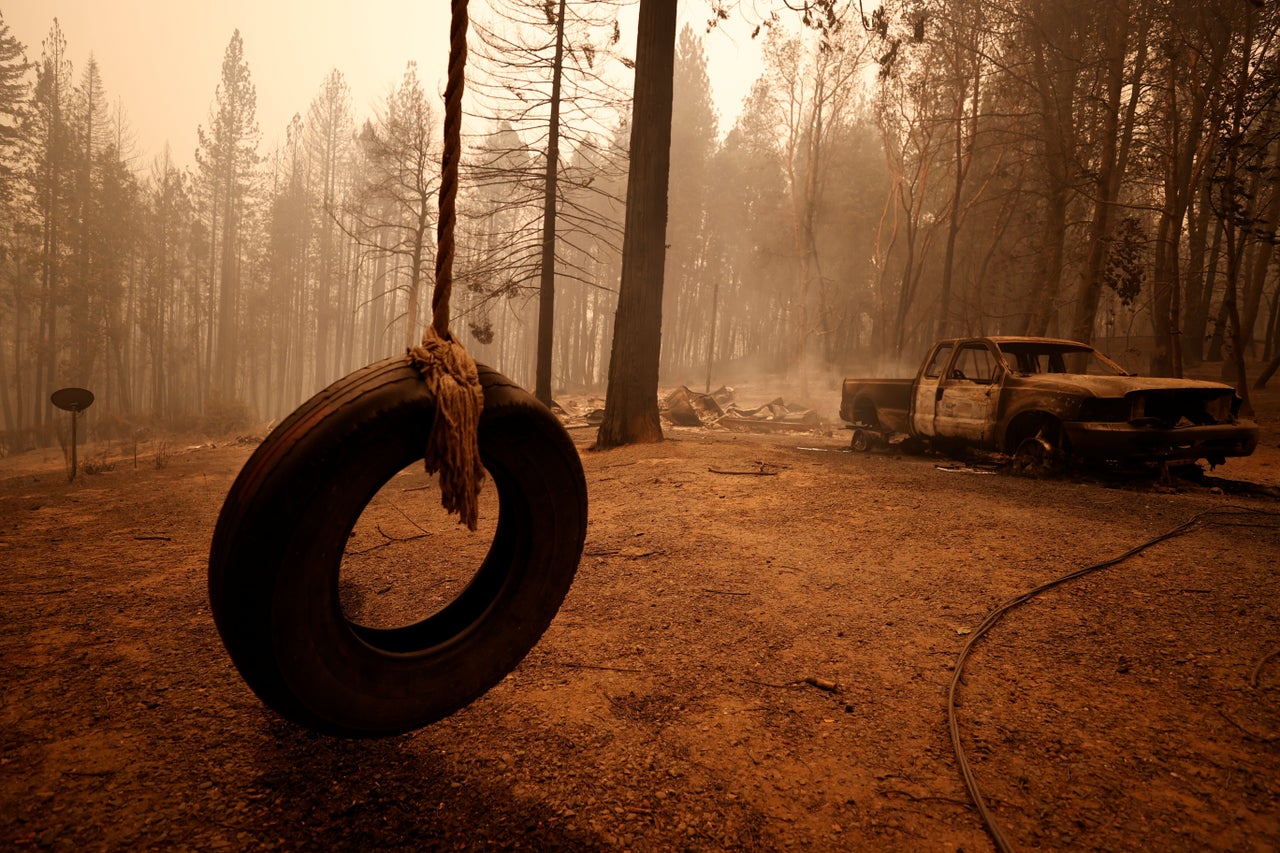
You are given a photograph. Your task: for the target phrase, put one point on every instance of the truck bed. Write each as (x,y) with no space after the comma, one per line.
(884,403)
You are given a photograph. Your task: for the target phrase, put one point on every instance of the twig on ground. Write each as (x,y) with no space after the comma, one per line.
(390,541)
(759,472)
(723,591)
(407,518)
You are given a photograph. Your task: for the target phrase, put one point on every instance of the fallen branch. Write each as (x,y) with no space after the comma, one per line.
(723,591)
(406,518)
(759,472)
(152,539)
(390,540)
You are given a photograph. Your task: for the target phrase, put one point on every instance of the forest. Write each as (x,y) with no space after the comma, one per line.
(1101,170)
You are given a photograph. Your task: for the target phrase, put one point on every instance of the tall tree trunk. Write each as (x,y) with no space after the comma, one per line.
(1054,82)
(631,402)
(1113,156)
(963,141)
(225,358)
(80,322)
(547,285)
(1235,184)
(1043,309)
(711,330)
(1261,260)
(10,424)
(1196,290)
(1273,328)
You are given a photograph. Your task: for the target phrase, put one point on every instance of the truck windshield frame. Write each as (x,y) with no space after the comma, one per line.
(941,355)
(1036,358)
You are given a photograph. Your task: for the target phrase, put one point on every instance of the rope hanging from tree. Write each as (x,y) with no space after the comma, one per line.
(449,371)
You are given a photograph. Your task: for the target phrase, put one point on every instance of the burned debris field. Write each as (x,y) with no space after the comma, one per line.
(755,654)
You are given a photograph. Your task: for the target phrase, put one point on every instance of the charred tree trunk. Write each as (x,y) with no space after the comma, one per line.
(1117,135)
(547,285)
(631,401)
(1255,282)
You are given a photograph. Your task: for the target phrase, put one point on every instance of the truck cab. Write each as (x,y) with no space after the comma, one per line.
(957,392)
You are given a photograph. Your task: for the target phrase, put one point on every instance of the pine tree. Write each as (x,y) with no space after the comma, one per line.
(396,206)
(328,133)
(14,91)
(693,142)
(227,157)
(84,290)
(53,145)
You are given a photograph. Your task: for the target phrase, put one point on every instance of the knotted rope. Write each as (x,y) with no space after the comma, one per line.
(452,449)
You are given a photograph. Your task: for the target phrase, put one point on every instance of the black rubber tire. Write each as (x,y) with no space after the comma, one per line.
(278,545)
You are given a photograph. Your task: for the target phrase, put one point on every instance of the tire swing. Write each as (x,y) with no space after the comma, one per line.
(278,546)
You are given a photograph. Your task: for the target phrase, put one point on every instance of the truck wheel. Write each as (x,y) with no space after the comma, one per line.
(1036,457)
(278,548)
(862,441)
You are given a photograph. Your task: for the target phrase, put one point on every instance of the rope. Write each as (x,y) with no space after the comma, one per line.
(449,371)
(449,168)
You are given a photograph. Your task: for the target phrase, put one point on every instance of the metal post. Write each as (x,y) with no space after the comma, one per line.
(75,416)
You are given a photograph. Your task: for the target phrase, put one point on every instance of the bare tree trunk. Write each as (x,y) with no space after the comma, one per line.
(1267,373)
(1043,309)
(225,364)
(711,330)
(1236,245)
(1196,292)
(1273,327)
(631,402)
(1054,83)
(547,284)
(1116,138)
(1256,282)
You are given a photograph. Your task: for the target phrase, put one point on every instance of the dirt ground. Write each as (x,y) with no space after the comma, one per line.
(757,660)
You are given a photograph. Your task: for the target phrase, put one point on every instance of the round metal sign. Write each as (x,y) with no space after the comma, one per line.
(72,399)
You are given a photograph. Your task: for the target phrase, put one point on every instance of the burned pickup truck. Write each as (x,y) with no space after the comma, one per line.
(1047,402)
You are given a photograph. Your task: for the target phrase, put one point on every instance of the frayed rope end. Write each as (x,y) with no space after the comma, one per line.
(453,447)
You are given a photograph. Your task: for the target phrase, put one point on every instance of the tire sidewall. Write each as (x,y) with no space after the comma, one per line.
(287,632)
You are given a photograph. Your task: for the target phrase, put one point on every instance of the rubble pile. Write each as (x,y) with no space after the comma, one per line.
(684,407)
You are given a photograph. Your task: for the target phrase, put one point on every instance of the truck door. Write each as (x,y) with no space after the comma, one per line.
(967,396)
(924,397)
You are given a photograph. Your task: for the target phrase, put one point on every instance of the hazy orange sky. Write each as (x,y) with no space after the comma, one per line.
(162,59)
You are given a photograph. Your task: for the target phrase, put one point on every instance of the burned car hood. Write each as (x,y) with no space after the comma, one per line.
(1113,386)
